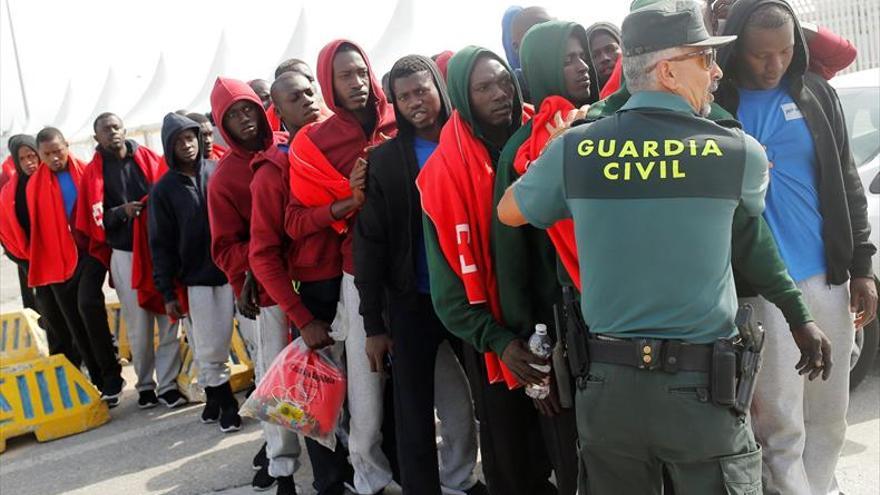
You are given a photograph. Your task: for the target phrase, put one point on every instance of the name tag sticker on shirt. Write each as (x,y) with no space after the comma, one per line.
(791,111)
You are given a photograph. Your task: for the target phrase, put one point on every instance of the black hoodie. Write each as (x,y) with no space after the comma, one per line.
(842,202)
(21,209)
(180,238)
(390,222)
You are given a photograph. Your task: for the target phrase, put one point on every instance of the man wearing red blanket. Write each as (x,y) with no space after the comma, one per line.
(60,259)
(116,182)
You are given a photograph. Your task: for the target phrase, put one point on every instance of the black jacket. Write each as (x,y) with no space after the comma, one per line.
(842,202)
(180,238)
(390,223)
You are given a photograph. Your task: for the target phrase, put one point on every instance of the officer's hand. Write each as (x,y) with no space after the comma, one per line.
(247,301)
(815,351)
(518,358)
(174,310)
(863,300)
(316,334)
(132,208)
(377,346)
(549,406)
(562,123)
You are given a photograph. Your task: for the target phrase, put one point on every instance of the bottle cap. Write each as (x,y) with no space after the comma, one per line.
(541,329)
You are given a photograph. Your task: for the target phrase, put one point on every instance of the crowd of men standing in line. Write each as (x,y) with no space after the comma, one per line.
(362,218)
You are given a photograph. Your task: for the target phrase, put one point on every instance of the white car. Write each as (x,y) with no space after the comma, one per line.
(859,94)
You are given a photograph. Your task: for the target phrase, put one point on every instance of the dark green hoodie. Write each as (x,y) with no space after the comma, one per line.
(472,323)
(525,259)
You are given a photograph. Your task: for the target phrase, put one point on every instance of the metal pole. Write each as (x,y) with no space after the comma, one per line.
(27,112)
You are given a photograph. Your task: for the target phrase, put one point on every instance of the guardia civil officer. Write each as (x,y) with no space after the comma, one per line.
(652,191)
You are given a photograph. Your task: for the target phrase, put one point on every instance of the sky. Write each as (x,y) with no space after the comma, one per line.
(71,45)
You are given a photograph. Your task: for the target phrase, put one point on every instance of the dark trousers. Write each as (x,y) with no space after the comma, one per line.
(81,300)
(519,446)
(415,352)
(28,298)
(329,468)
(51,320)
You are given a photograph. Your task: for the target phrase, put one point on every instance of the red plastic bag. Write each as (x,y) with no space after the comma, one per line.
(302,391)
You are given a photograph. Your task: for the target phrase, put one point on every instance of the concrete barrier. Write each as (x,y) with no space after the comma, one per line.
(49,397)
(21,338)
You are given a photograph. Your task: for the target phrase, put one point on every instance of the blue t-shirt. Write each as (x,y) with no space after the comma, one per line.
(792,210)
(423,149)
(68,190)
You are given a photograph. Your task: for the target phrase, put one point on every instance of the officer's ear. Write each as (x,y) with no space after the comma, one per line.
(666,76)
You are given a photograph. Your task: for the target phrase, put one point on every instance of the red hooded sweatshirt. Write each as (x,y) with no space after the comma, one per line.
(53,250)
(275,259)
(341,141)
(229,197)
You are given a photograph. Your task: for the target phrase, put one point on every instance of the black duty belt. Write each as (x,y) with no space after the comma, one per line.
(670,356)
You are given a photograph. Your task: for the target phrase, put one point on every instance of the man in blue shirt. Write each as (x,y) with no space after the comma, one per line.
(816,209)
(390,260)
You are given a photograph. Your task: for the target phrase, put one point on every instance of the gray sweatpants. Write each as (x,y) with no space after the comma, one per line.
(210,321)
(372,471)
(801,424)
(457,451)
(282,445)
(164,359)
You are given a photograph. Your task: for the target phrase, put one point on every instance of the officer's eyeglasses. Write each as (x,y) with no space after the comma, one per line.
(708,55)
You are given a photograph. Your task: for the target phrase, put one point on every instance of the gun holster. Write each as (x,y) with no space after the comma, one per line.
(575,332)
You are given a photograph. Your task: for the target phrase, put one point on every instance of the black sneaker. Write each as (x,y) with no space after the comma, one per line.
(211,412)
(172,398)
(286,486)
(230,420)
(260,460)
(262,481)
(113,393)
(147,399)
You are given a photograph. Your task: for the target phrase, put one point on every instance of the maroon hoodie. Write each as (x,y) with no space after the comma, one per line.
(342,140)
(229,196)
(275,258)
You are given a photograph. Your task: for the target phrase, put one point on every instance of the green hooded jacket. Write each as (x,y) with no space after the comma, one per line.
(525,260)
(471,323)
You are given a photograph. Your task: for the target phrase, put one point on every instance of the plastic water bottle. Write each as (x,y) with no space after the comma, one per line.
(540,346)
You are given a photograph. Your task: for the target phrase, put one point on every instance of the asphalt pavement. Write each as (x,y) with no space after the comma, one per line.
(162,451)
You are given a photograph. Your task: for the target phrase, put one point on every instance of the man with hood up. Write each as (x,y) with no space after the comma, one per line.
(180,242)
(390,259)
(243,124)
(71,272)
(555,59)
(13,243)
(817,211)
(327,178)
(15,231)
(605,49)
(456,186)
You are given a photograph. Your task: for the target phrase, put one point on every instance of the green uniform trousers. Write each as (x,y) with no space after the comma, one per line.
(633,424)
